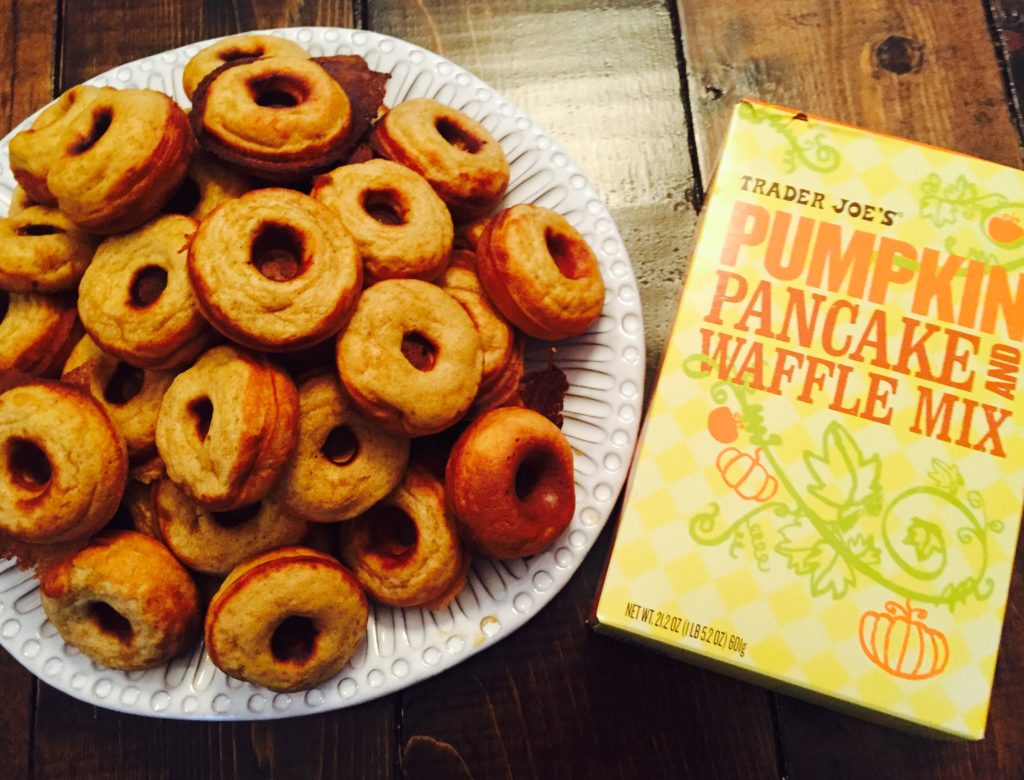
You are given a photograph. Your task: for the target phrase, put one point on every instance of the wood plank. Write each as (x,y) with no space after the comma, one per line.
(555,699)
(923,71)
(76,739)
(27,31)
(101,35)
(1007,18)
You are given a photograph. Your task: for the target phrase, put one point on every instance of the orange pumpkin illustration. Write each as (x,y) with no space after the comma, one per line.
(745,474)
(899,642)
(722,425)
(1005,229)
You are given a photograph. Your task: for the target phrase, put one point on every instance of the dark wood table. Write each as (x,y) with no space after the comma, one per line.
(638,92)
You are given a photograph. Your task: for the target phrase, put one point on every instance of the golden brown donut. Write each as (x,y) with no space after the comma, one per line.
(456,154)
(497,336)
(402,228)
(343,463)
(120,160)
(509,483)
(130,396)
(37,332)
(226,428)
(20,201)
(216,542)
(235,47)
(207,184)
(540,273)
(288,619)
(275,270)
(399,321)
(135,299)
(467,234)
(34,150)
(405,550)
(63,464)
(266,113)
(123,601)
(41,250)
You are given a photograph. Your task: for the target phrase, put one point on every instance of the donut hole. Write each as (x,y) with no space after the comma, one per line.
(391,533)
(457,136)
(341,446)
(185,199)
(420,351)
(236,517)
(240,54)
(277,252)
(294,639)
(5,304)
(278,91)
(569,256)
(201,411)
(28,465)
(124,384)
(101,119)
(385,206)
(110,621)
(147,286)
(39,230)
(531,481)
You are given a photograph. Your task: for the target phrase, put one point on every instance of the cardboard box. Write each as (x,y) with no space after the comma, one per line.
(827,492)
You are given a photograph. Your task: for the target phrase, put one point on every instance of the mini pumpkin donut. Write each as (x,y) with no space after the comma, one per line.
(467,234)
(235,47)
(123,601)
(343,463)
(509,483)
(456,154)
(497,336)
(216,542)
(20,201)
(288,619)
(279,117)
(275,270)
(37,332)
(405,550)
(135,299)
(130,395)
(540,273)
(206,185)
(63,464)
(41,250)
(227,426)
(120,160)
(34,150)
(402,228)
(504,388)
(410,357)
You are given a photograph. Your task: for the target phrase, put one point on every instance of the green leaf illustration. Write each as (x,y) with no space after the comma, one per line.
(808,554)
(925,537)
(945,476)
(865,550)
(843,478)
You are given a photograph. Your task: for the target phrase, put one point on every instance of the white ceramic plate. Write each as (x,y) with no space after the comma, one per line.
(605,367)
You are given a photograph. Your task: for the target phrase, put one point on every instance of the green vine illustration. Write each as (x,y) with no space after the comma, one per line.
(813,153)
(999,219)
(838,527)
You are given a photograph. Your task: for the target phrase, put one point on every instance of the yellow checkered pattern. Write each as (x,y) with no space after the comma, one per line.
(740,586)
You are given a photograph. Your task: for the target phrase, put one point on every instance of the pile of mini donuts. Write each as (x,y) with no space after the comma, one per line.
(224,334)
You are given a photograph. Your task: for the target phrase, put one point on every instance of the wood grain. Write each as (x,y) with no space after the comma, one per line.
(1007,18)
(930,74)
(925,71)
(100,35)
(27,32)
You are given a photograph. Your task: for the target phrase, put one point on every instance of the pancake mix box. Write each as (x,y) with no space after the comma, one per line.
(827,492)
